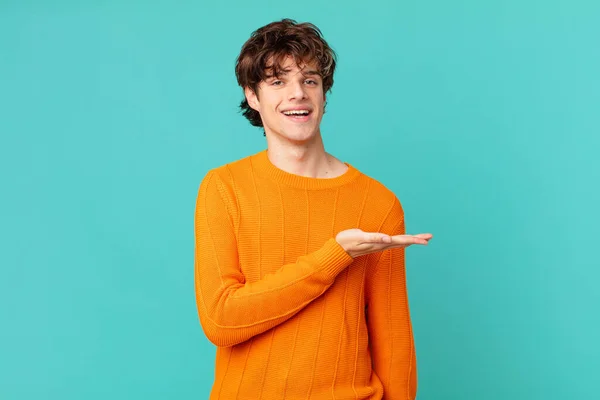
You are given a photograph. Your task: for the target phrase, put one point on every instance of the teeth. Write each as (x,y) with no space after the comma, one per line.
(296,112)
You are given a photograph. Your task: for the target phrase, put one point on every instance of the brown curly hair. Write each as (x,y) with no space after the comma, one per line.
(263,54)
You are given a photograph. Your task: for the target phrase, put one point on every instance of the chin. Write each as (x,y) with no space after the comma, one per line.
(295,133)
(301,136)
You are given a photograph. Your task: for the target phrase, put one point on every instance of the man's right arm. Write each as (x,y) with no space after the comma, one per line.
(231,310)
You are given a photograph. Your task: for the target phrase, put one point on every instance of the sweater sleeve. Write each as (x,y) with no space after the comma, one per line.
(390,330)
(232,310)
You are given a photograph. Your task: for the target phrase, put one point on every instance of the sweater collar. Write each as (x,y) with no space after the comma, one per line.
(265,168)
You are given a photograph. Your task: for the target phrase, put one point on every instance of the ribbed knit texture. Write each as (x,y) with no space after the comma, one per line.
(293,315)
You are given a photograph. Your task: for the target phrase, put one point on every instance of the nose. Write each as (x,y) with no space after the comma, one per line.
(297,91)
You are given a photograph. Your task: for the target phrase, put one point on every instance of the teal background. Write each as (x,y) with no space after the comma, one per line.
(483,118)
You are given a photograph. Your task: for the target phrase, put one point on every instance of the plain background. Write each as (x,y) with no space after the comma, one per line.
(482,117)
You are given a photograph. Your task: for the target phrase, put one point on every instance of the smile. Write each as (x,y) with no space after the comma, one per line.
(297,115)
(297,112)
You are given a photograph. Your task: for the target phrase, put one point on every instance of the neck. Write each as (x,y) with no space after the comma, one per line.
(307,159)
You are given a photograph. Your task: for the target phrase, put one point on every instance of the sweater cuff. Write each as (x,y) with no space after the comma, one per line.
(332,257)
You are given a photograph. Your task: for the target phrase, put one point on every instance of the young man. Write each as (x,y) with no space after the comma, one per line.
(299,267)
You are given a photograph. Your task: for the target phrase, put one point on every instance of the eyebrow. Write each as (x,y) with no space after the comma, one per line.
(311,72)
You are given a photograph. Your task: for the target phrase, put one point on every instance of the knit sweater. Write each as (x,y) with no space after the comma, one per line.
(292,314)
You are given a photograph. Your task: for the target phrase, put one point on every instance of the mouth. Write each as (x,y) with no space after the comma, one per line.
(301,115)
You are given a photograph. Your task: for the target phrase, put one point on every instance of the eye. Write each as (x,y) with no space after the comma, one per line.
(276,83)
(310,81)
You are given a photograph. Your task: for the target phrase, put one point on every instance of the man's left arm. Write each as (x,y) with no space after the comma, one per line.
(388,317)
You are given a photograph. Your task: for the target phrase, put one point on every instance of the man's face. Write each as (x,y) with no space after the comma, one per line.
(291,104)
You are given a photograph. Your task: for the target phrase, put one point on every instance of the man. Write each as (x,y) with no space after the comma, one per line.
(300,279)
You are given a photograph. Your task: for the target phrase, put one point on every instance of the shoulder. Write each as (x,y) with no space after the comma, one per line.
(378,189)
(222,184)
(229,170)
(228,175)
(382,204)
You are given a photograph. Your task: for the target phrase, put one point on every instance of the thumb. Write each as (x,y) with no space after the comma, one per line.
(385,238)
(377,237)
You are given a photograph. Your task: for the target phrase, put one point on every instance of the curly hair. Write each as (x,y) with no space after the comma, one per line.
(263,54)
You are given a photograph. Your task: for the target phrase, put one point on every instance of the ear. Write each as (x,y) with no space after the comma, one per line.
(251,98)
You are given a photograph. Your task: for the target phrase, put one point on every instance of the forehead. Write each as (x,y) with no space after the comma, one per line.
(288,64)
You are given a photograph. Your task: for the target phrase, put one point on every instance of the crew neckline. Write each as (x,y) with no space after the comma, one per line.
(264,167)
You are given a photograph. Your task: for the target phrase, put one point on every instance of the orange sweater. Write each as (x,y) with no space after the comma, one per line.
(292,314)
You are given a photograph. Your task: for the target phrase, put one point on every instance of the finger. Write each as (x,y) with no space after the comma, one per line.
(376,237)
(420,241)
(381,238)
(409,239)
(426,236)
